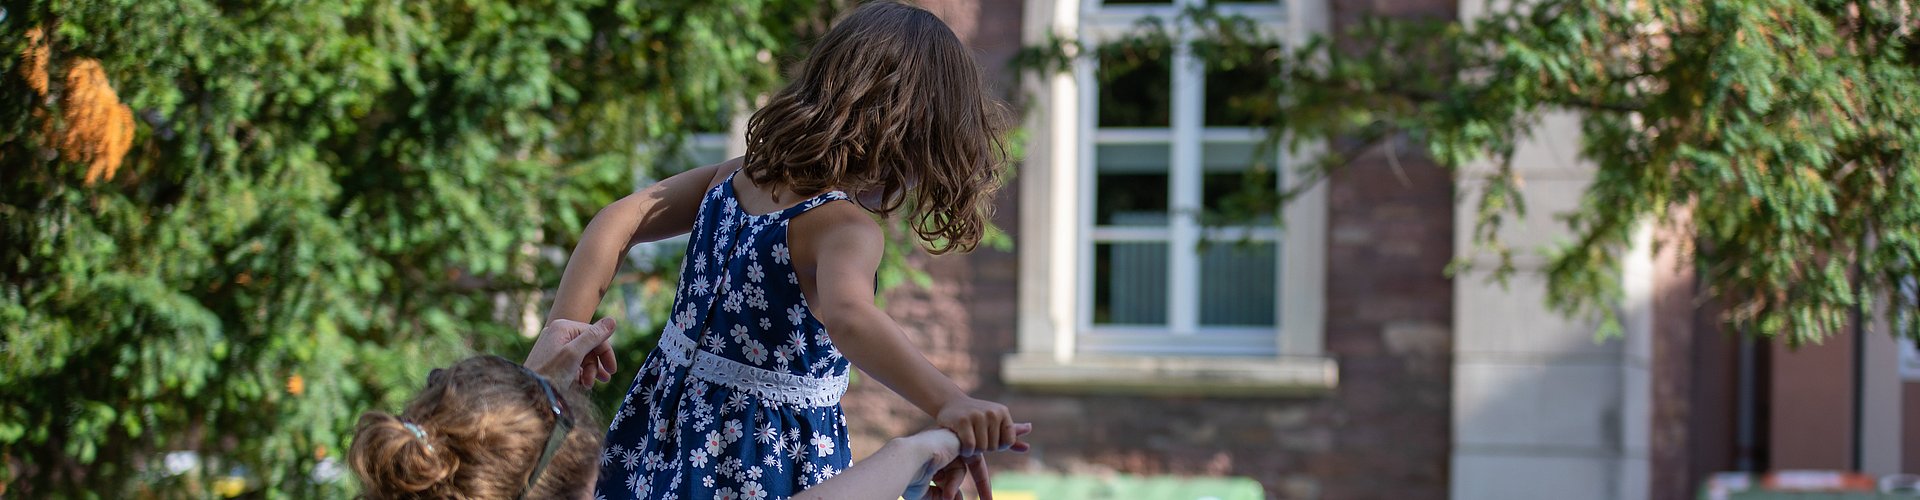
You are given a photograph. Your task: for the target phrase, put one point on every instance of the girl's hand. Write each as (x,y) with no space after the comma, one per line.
(979,424)
(947,479)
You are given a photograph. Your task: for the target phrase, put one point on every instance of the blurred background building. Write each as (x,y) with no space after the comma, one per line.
(1337,358)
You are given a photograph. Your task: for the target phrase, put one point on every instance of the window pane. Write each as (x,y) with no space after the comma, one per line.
(1238,187)
(1237,284)
(1130,283)
(1130,184)
(1135,87)
(1237,94)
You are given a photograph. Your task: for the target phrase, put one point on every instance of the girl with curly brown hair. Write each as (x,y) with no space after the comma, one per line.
(776,298)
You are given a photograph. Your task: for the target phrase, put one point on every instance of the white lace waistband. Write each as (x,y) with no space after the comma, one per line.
(765,384)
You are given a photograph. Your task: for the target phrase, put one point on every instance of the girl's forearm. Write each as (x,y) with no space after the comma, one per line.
(591,267)
(875,344)
(665,209)
(882,476)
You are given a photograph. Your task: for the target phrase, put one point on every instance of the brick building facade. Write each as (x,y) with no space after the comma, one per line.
(1438,386)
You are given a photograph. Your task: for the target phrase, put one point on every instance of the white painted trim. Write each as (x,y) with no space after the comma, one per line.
(1184,376)
(1115,135)
(1303,266)
(1183,202)
(1115,234)
(1082,263)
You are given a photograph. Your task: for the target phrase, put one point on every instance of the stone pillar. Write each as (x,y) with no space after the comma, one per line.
(1880,394)
(1542,408)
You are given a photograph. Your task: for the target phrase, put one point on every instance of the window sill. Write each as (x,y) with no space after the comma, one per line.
(1182,376)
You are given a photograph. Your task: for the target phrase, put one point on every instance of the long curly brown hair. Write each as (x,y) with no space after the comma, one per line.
(889,103)
(483,423)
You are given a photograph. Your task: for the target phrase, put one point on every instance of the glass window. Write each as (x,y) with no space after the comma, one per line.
(1149,208)
(1237,185)
(1130,184)
(1238,283)
(1136,88)
(1130,284)
(1236,94)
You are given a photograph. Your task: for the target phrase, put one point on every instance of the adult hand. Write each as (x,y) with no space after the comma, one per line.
(947,480)
(571,350)
(940,447)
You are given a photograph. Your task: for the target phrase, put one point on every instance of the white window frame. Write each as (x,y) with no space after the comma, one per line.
(1056,226)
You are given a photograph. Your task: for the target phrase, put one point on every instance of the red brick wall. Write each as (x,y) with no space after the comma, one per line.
(1383,433)
(1910,428)
(1812,405)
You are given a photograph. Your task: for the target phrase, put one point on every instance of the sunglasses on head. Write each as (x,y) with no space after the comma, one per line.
(556,437)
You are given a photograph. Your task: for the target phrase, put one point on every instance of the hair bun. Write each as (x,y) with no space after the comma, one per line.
(394,461)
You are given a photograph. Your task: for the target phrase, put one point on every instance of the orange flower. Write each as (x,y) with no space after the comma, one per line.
(99,127)
(34,59)
(296,385)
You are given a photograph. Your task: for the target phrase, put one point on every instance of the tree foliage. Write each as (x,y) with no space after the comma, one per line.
(230,227)
(1784,135)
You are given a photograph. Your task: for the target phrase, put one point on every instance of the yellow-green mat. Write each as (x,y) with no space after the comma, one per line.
(1019,486)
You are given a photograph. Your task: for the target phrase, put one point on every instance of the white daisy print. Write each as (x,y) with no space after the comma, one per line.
(753,491)
(766,434)
(698,457)
(754,351)
(780,253)
(630,459)
(756,273)
(713,443)
(823,444)
(795,314)
(733,431)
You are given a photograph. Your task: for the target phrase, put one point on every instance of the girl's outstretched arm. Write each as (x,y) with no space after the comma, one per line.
(662,210)
(890,471)
(839,247)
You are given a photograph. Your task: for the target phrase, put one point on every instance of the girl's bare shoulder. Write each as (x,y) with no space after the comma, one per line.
(725,169)
(840,222)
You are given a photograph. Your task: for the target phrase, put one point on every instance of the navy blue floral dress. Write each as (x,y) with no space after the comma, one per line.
(741,400)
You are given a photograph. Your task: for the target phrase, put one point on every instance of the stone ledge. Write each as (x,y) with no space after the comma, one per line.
(1182,376)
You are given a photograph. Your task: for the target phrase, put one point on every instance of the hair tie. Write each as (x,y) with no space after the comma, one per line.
(418,433)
